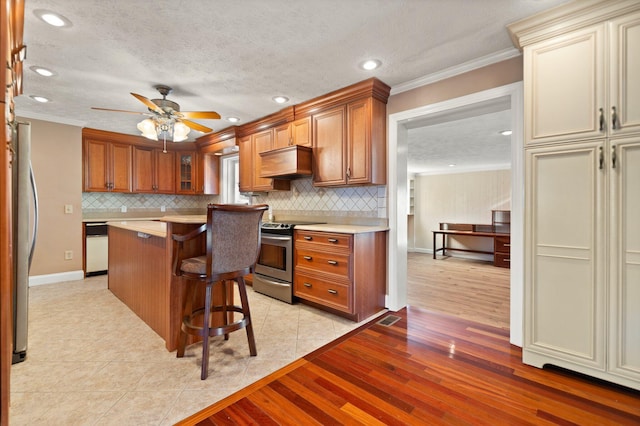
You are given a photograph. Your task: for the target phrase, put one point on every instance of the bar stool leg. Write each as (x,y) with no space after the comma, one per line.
(186,316)
(205,332)
(245,311)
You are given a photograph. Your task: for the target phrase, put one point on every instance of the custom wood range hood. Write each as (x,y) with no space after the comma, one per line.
(290,162)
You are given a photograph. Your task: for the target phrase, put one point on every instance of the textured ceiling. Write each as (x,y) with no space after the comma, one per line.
(233,56)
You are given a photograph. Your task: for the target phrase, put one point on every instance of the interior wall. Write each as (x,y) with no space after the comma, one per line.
(56,157)
(458,198)
(489,77)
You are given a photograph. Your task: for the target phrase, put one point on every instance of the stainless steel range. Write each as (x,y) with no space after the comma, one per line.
(273,274)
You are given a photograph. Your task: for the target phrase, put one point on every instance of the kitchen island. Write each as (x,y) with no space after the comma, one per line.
(141,270)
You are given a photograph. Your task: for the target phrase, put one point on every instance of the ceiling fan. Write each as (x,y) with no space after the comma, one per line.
(165,118)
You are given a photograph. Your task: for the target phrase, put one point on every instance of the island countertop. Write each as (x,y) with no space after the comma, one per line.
(151,227)
(192,218)
(341,228)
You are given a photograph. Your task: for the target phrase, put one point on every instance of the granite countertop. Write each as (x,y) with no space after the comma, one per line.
(194,218)
(155,228)
(345,229)
(118,219)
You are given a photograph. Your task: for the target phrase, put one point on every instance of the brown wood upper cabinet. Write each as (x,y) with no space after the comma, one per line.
(350,144)
(188,173)
(250,148)
(297,132)
(107,166)
(197,173)
(153,171)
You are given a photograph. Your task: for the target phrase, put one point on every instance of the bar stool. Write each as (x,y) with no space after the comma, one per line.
(233,245)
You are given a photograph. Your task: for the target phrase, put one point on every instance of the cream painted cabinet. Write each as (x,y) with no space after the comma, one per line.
(582,188)
(571,94)
(624,248)
(565,256)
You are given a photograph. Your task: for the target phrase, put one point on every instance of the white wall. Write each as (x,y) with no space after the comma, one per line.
(458,198)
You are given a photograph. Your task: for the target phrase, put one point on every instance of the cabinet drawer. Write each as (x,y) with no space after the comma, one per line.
(502,245)
(502,260)
(333,263)
(324,239)
(320,291)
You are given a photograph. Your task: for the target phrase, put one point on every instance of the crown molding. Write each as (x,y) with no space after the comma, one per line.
(483,61)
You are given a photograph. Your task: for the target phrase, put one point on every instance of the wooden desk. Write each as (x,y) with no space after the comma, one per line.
(501,241)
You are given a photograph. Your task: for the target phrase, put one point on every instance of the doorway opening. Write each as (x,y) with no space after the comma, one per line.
(459,172)
(398,138)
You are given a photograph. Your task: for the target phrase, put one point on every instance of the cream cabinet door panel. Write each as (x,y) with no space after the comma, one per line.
(564,272)
(625,274)
(625,73)
(565,89)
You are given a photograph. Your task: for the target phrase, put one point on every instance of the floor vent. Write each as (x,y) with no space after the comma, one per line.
(389,320)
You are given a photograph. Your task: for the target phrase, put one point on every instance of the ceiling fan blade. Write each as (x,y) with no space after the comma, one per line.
(120,110)
(196,126)
(205,115)
(148,103)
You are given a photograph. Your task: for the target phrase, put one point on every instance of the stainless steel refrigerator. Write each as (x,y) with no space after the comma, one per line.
(25,226)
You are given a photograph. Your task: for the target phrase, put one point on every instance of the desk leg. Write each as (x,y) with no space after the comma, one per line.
(443,244)
(434,245)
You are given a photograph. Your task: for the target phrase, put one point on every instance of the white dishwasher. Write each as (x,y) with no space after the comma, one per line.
(97,248)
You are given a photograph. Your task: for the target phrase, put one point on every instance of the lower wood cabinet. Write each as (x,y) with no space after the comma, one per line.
(342,272)
(502,251)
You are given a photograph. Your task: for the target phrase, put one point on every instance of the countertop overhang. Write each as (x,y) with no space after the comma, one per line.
(149,227)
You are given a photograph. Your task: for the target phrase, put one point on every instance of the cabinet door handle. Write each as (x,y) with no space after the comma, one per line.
(507,245)
(601,161)
(348,172)
(613,156)
(308,258)
(308,285)
(333,240)
(308,238)
(601,120)
(332,262)
(332,291)
(614,119)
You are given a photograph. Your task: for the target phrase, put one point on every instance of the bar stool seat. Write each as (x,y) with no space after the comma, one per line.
(233,245)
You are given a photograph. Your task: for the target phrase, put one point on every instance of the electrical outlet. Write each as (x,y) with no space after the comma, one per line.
(163,208)
(68,254)
(68,208)
(123,209)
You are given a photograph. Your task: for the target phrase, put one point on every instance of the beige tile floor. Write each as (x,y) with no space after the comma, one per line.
(92,361)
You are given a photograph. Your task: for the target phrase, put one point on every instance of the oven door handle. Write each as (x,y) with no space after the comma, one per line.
(272,238)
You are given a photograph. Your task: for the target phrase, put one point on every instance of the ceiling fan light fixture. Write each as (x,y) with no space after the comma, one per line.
(180,131)
(148,129)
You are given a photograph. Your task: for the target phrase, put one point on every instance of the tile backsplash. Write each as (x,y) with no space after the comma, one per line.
(302,200)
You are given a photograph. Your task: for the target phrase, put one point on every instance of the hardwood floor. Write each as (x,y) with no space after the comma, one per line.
(470,289)
(426,368)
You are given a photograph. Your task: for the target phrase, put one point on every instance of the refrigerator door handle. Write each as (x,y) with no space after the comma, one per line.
(34,192)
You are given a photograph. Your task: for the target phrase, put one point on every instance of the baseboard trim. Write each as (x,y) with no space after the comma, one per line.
(56,278)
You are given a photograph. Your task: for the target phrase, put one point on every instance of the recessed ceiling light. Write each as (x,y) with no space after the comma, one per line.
(41,99)
(52,18)
(506,133)
(280,99)
(370,64)
(452,165)
(45,72)
(233,119)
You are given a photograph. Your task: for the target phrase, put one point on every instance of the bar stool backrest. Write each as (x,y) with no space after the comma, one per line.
(233,237)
